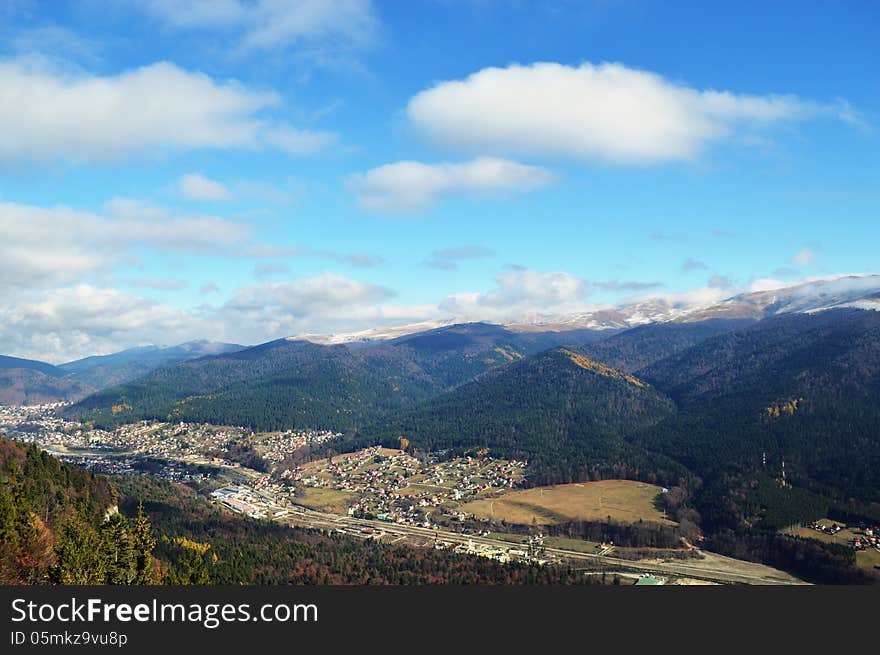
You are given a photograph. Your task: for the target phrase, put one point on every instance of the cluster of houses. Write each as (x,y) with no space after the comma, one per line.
(276,447)
(870,538)
(827,528)
(396,487)
(179,440)
(863,538)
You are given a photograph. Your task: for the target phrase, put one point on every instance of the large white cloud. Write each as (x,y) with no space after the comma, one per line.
(65,323)
(606,112)
(411,186)
(48,114)
(43,246)
(71,322)
(520,291)
(322,303)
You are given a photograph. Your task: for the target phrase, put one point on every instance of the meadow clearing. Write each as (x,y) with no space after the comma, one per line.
(621,500)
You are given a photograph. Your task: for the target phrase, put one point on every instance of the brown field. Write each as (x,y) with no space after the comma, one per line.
(622,500)
(326,500)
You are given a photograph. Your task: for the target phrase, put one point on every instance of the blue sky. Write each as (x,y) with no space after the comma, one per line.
(245,170)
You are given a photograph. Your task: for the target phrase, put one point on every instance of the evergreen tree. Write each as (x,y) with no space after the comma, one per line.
(118,551)
(80,556)
(143,543)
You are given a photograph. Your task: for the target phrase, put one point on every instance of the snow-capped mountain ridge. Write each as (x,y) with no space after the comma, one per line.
(862,292)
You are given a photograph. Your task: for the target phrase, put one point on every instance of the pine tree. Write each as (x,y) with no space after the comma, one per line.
(143,543)
(118,551)
(80,556)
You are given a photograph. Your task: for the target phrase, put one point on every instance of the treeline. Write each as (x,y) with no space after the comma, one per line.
(808,559)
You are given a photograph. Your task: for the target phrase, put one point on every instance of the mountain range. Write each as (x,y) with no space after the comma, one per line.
(25,381)
(711,403)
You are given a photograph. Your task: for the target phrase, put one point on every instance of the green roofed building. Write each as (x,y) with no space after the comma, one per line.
(647,580)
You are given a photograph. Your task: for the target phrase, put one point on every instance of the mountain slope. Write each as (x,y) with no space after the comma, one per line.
(7,362)
(23,386)
(641,346)
(278,384)
(288,383)
(102,371)
(30,382)
(861,292)
(803,388)
(568,415)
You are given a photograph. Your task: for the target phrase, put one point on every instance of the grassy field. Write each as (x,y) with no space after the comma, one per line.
(509,536)
(580,545)
(867,559)
(326,500)
(621,500)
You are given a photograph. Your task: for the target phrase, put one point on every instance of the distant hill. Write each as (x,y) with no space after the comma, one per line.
(22,386)
(7,362)
(855,291)
(861,292)
(102,371)
(27,381)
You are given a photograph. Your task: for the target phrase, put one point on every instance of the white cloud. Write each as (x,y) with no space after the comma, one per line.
(605,112)
(803,257)
(58,245)
(325,303)
(307,295)
(521,291)
(71,322)
(67,323)
(48,114)
(196,186)
(267,24)
(411,186)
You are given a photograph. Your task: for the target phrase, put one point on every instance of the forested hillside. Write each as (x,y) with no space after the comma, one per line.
(298,384)
(59,524)
(102,371)
(569,416)
(800,388)
(641,346)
